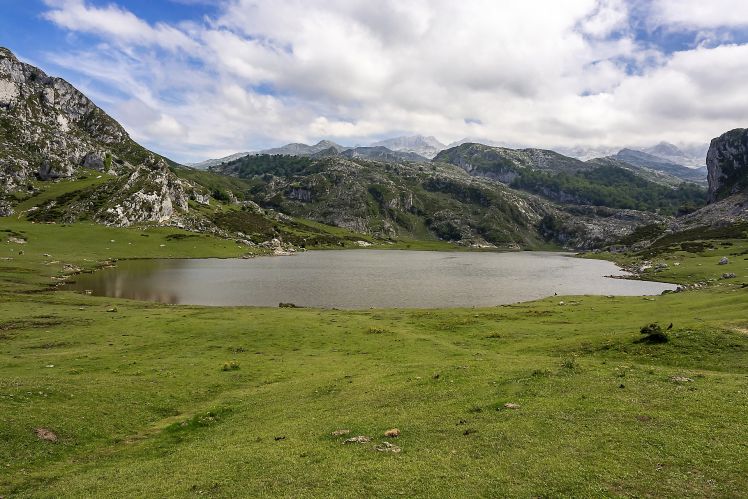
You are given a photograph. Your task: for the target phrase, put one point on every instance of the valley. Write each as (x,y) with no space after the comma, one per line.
(563,391)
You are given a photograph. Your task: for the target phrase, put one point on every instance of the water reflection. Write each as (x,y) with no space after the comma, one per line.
(363,279)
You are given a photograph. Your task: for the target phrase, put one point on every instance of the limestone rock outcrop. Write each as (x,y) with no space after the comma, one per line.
(727,164)
(51,131)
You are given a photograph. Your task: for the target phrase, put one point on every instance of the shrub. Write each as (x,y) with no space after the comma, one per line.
(654,333)
(569,363)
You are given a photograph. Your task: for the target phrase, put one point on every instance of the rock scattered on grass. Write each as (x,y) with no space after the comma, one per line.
(680,379)
(393,433)
(45,434)
(723,261)
(729,275)
(340,433)
(511,405)
(279,438)
(387,447)
(361,439)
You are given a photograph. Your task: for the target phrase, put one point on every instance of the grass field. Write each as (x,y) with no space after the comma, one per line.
(145,402)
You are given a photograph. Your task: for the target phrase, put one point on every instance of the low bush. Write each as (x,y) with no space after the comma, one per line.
(653,333)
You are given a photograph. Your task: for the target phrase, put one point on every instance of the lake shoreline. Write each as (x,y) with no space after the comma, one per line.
(375,278)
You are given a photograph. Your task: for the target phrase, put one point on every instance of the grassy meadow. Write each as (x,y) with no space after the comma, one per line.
(102,397)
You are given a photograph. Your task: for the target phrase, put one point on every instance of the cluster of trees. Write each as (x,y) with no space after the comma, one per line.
(274,164)
(613,187)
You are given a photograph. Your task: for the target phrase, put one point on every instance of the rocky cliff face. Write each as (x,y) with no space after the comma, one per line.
(727,164)
(49,130)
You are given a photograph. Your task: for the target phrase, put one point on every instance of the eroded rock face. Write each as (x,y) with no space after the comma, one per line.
(150,194)
(727,164)
(49,130)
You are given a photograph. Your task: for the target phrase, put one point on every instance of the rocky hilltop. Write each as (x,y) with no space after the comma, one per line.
(504,164)
(49,130)
(727,164)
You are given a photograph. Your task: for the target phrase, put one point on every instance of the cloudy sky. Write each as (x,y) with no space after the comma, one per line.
(203,78)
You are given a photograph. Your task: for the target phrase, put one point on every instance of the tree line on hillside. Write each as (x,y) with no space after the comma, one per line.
(613,187)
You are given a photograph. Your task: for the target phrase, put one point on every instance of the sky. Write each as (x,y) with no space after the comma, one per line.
(196,79)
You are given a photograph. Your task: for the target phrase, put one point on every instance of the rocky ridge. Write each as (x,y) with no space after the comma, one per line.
(49,130)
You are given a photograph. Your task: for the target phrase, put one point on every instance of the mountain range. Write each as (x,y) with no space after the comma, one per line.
(663,157)
(63,159)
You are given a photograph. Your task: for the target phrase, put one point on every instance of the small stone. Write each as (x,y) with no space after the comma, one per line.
(728,275)
(45,434)
(511,405)
(340,433)
(393,433)
(680,379)
(387,447)
(723,261)
(361,439)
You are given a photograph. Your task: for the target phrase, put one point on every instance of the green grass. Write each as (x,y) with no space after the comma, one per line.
(48,191)
(142,405)
(698,265)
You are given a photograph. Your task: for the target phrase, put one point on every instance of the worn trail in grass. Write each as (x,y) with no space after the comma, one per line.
(142,406)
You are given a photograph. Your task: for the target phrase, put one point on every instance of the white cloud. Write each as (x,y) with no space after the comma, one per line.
(700,13)
(538,72)
(116,22)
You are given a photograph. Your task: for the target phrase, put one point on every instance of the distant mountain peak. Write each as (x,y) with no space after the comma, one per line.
(204,165)
(665,149)
(300,149)
(427,147)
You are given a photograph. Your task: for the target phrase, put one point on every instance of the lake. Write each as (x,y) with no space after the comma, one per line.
(363,279)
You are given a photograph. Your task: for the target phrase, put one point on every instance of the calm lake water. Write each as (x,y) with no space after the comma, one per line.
(363,279)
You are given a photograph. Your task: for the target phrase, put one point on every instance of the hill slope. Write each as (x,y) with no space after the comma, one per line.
(600,182)
(424,202)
